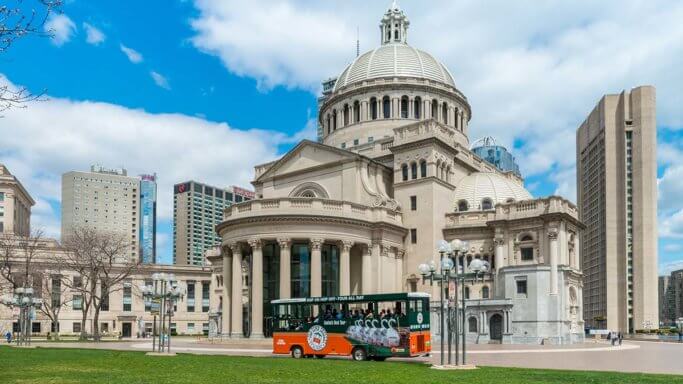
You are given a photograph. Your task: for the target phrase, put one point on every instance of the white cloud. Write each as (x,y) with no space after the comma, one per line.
(531,71)
(671,227)
(670,189)
(133,55)
(61,27)
(43,141)
(160,80)
(93,36)
(667,268)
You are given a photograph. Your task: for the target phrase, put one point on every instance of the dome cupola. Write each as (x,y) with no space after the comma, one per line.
(394,26)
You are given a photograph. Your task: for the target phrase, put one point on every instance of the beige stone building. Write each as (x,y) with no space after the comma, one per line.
(15,205)
(103,199)
(358,212)
(126,313)
(617,200)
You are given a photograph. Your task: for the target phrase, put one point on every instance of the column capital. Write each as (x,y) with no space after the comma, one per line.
(499,240)
(284,242)
(400,253)
(255,243)
(552,233)
(235,247)
(316,243)
(346,245)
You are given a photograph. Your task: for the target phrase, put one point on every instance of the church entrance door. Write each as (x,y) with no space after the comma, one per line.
(496,327)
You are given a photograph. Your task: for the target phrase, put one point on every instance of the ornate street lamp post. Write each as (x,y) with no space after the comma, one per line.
(24,300)
(451,271)
(166,294)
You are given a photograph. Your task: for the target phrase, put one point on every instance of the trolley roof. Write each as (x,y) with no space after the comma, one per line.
(354,298)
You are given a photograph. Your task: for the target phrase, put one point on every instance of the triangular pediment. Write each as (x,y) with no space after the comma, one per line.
(306,155)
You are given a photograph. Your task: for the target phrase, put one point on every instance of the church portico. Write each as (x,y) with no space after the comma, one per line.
(321,248)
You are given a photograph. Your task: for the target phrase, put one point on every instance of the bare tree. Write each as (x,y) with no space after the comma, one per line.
(51,292)
(17,258)
(103,261)
(17,21)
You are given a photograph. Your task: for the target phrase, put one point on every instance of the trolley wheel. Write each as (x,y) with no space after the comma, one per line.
(359,354)
(297,352)
(320,356)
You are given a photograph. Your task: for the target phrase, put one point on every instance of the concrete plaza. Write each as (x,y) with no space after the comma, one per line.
(632,356)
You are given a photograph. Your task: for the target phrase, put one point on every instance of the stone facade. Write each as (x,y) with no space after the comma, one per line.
(15,205)
(359,212)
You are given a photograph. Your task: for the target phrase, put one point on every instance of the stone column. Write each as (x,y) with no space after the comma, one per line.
(256,288)
(316,268)
(400,285)
(577,253)
(366,282)
(236,300)
(285,267)
(499,255)
(376,264)
(411,108)
(227,290)
(345,268)
(552,235)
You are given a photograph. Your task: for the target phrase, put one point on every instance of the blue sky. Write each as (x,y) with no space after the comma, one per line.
(209,88)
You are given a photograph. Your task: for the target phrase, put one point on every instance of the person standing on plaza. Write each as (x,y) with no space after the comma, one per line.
(621,338)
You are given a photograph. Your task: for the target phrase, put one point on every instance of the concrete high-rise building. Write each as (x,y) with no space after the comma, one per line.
(197,209)
(495,154)
(148,218)
(617,201)
(15,205)
(103,199)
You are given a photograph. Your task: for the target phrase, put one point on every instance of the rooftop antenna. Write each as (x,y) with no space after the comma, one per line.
(357,41)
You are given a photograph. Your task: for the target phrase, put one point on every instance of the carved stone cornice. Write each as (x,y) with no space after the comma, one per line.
(235,247)
(316,220)
(552,233)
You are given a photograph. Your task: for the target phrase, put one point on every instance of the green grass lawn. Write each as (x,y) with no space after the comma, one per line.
(52,365)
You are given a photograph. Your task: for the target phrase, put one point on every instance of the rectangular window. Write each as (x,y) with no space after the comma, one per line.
(190,327)
(521,287)
(205,296)
(343,145)
(78,282)
(219,194)
(35,327)
(198,188)
(76,327)
(190,296)
(127,297)
(527,254)
(2,211)
(355,142)
(77,302)
(205,329)
(56,292)
(2,196)
(148,300)
(413,235)
(371,139)
(238,198)
(413,203)
(104,297)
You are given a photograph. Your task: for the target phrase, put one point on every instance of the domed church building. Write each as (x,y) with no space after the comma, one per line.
(358,212)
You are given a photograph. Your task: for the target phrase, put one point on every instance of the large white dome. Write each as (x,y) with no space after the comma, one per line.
(478,186)
(394,60)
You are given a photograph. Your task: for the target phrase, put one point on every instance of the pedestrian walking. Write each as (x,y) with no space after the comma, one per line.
(621,338)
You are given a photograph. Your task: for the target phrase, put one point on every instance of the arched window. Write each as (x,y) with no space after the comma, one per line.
(435,109)
(373,108)
(307,193)
(329,128)
(386,107)
(448,174)
(443,171)
(486,204)
(334,120)
(404,107)
(462,206)
(423,168)
(472,324)
(356,111)
(526,238)
(417,108)
(346,115)
(444,113)
(467,293)
(455,117)
(404,171)
(413,170)
(485,292)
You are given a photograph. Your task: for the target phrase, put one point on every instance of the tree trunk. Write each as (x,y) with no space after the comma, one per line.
(84,318)
(96,326)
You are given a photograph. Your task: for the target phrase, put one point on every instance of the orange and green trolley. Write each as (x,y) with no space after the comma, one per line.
(361,326)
